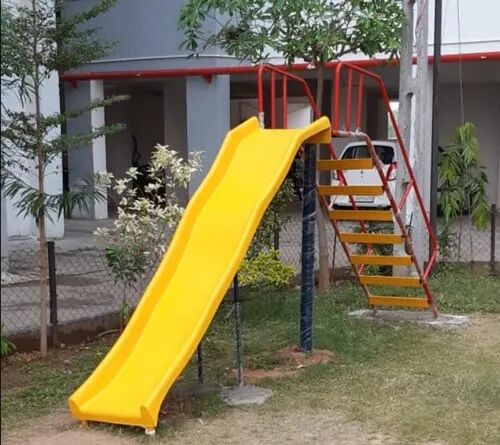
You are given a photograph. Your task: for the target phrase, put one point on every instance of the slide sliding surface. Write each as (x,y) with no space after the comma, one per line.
(129,385)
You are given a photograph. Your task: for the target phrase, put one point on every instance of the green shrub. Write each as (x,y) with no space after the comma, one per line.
(265,270)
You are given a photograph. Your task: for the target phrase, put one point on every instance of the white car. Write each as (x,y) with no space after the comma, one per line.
(386,151)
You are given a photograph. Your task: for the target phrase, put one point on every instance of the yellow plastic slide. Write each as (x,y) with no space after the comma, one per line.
(207,249)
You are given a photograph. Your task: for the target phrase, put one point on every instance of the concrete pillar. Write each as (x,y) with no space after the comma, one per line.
(208,119)
(415,114)
(175,122)
(86,161)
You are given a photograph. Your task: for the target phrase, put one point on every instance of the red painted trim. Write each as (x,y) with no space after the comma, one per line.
(185,72)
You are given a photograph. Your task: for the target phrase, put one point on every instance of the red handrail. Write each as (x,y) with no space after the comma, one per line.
(262,69)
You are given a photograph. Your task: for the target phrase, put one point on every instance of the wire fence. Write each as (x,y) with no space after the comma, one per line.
(82,287)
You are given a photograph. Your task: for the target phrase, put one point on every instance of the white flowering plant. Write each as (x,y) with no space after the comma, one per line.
(146,216)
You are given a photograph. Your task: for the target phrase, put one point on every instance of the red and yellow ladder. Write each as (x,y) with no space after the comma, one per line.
(354,79)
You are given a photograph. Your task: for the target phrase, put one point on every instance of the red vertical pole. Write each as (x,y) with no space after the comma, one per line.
(348,101)
(260,88)
(360,101)
(336,98)
(273,99)
(284,102)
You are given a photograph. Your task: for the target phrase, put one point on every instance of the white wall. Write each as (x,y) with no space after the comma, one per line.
(482,107)
(472,27)
(25,226)
(473,23)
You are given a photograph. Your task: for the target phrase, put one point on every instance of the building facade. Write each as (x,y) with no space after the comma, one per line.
(190,104)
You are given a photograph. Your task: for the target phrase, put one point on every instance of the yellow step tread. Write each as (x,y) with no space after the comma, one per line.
(351,190)
(358,215)
(376,300)
(388,260)
(344,164)
(380,280)
(371,238)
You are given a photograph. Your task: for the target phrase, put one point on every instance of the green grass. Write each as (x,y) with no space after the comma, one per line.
(413,383)
(47,384)
(457,290)
(460,290)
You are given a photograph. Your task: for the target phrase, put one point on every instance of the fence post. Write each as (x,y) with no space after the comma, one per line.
(52,292)
(308,226)
(493,231)
(237,323)
(199,353)
(276,239)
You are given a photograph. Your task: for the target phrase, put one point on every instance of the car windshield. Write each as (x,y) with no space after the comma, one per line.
(384,152)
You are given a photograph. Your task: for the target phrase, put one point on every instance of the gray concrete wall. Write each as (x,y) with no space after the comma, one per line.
(119,146)
(147,36)
(142,116)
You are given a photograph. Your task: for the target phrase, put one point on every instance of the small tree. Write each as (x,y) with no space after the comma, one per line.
(463,181)
(37,44)
(147,217)
(316,31)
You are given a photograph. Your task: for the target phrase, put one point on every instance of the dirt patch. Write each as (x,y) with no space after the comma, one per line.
(293,356)
(61,429)
(293,361)
(248,426)
(262,427)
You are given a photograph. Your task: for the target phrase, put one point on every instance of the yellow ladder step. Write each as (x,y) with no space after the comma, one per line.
(351,190)
(388,260)
(371,238)
(358,215)
(344,164)
(398,301)
(379,280)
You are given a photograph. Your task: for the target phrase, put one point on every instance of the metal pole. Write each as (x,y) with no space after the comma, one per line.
(308,226)
(493,230)
(435,117)
(52,292)
(334,253)
(199,354)
(237,322)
